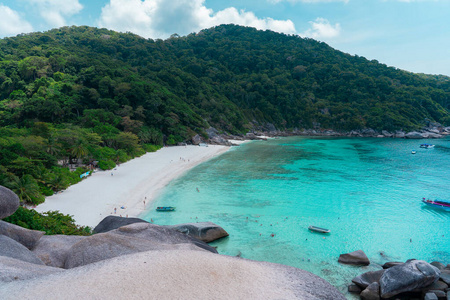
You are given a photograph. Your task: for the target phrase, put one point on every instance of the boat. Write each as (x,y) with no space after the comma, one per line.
(438,203)
(165,208)
(426,146)
(318,229)
(413,152)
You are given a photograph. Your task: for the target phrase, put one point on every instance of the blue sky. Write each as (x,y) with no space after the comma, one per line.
(412,35)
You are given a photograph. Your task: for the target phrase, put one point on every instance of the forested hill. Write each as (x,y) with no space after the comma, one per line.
(227,77)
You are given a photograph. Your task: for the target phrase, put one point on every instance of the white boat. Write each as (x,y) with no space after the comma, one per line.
(318,229)
(426,146)
(413,152)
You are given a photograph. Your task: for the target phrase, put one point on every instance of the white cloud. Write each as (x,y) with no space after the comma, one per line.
(313,1)
(11,23)
(321,29)
(161,18)
(55,12)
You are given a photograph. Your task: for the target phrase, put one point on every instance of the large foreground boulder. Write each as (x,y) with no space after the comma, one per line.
(175,275)
(137,237)
(26,237)
(53,249)
(354,258)
(13,249)
(113,222)
(12,269)
(9,202)
(204,231)
(412,275)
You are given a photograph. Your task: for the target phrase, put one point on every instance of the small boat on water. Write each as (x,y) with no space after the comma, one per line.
(165,208)
(413,152)
(438,203)
(318,229)
(426,146)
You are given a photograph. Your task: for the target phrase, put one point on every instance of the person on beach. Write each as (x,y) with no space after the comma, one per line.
(115,210)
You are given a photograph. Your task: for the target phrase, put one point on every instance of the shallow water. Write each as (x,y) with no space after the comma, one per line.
(366,191)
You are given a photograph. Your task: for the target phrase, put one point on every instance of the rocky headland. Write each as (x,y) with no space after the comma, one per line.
(134,259)
(261,131)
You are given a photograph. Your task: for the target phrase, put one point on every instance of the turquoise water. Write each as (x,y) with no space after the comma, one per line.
(366,191)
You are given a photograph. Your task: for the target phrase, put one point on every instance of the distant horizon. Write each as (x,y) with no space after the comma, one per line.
(410,35)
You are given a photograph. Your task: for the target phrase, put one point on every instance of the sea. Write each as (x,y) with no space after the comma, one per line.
(366,191)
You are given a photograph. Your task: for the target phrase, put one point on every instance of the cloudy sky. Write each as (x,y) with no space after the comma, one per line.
(413,35)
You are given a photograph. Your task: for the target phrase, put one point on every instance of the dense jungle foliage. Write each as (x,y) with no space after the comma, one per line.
(76,95)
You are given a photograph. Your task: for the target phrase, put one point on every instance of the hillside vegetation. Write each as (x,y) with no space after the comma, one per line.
(85,94)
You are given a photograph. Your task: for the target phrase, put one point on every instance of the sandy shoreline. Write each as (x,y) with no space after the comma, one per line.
(128,185)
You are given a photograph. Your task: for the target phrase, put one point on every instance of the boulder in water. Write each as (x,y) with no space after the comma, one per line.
(9,202)
(354,258)
(364,280)
(412,275)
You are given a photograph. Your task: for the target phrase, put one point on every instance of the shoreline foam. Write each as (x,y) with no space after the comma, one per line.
(128,185)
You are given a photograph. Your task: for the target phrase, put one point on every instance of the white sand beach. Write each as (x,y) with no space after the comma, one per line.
(128,185)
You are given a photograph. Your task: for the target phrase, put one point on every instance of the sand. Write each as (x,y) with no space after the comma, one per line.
(122,191)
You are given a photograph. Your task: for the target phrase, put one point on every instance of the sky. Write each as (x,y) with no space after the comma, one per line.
(413,35)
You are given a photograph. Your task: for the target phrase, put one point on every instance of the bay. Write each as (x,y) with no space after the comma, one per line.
(367,191)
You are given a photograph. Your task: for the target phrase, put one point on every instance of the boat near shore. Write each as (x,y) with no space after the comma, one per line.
(318,229)
(165,208)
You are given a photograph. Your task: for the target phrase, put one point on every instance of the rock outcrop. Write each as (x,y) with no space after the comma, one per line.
(9,202)
(412,275)
(26,237)
(13,249)
(53,249)
(176,275)
(204,231)
(113,222)
(12,269)
(354,258)
(137,237)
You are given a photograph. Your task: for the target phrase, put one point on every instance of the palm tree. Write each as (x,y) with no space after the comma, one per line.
(26,188)
(79,150)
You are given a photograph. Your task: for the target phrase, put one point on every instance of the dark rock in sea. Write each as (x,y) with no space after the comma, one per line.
(13,249)
(204,231)
(439,294)
(354,258)
(12,269)
(438,265)
(430,296)
(412,275)
(372,292)
(445,276)
(353,288)
(114,222)
(9,202)
(196,139)
(431,135)
(26,237)
(53,249)
(137,237)
(364,280)
(414,135)
(438,285)
(391,264)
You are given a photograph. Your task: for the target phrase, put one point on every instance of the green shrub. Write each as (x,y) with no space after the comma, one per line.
(151,148)
(52,222)
(106,164)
